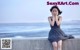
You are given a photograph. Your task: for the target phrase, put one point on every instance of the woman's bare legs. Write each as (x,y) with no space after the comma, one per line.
(60,45)
(55,45)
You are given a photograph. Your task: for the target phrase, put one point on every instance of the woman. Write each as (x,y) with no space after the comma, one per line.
(56,35)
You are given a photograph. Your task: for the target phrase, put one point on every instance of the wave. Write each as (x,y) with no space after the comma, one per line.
(25,30)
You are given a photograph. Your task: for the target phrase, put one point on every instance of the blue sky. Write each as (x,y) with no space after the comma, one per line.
(25,11)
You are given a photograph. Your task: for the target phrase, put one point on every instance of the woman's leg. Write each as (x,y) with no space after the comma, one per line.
(60,45)
(54,44)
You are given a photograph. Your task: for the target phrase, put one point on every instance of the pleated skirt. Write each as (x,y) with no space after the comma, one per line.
(56,34)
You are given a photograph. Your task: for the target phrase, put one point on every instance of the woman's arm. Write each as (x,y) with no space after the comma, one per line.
(58,21)
(51,22)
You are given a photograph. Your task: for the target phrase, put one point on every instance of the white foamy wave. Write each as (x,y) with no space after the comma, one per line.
(21,37)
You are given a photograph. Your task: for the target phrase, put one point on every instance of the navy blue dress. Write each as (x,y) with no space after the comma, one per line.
(56,34)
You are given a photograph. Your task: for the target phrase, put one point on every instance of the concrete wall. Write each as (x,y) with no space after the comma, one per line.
(42,44)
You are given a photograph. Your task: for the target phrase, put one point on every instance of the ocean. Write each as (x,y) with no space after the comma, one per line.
(24,30)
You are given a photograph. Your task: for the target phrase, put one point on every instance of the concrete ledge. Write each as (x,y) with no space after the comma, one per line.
(42,44)
(71,44)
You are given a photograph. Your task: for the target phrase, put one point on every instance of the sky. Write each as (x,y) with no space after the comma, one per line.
(26,11)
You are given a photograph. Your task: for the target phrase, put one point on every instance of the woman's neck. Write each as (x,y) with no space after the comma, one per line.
(54,16)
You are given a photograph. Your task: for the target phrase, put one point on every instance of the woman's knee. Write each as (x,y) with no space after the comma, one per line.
(59,43)
(54,44)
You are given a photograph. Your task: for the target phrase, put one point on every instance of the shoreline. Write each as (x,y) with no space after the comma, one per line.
(34,38)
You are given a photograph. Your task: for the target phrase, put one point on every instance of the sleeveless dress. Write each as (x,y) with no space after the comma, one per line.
(56,34)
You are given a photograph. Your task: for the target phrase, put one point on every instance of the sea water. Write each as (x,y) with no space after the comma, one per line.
(25,30)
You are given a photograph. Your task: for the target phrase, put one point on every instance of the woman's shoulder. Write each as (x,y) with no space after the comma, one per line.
(60,16)
(50,17)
